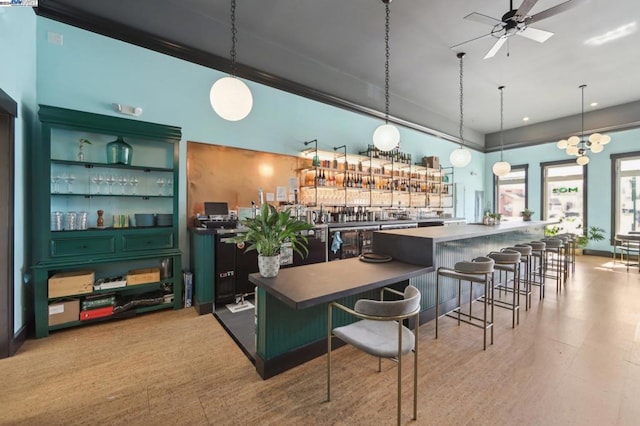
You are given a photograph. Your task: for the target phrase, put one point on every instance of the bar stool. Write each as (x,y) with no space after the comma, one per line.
(525,258)
(478,271)
(554,260)
(508,262)
(538,255)
(628,243)
(566,242)
(570,241)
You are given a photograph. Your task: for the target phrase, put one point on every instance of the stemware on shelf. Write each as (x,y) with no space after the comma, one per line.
(161,182)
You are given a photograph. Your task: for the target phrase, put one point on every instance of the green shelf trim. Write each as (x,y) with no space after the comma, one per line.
(90,165)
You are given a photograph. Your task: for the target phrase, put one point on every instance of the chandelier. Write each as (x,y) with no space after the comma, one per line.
(501,168)
(579,146)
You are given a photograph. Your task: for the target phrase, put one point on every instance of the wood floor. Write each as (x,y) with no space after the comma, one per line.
(574,359)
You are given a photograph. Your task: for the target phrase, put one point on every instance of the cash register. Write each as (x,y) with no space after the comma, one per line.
(216,216)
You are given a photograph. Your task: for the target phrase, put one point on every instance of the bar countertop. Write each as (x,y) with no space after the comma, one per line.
(452,233)
(310,285)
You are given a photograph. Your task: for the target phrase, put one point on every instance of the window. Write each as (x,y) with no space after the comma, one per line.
(626,214)
(511,193)
(564,195)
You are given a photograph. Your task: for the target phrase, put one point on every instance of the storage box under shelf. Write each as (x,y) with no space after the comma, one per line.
(64,311)
(70,283)
(143,276)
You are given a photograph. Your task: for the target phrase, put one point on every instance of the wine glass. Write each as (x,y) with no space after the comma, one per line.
(95,180)
(110,179)
(122,181)
(55,179)
(161,182)
(70,179)
(169,186)
(134,184)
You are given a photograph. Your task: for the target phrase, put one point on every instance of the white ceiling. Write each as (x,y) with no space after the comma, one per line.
(337,46)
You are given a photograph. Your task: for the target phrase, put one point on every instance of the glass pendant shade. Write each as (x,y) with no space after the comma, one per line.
(596,147)
(582,160)
(386,137)
(460,157)
(231,98)
(573,140)
(501,168)
(562,144)
(572,150)
(605,139)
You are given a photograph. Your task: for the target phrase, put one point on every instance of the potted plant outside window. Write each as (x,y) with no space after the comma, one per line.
(526,214)
(267,233)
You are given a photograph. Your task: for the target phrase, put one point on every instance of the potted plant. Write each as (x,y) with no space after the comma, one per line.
(592,233)
(526,215)
(267,233)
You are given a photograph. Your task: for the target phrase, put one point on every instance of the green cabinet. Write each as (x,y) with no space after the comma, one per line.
(92,210)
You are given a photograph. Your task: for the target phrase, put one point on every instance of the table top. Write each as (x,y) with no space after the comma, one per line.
(311,285)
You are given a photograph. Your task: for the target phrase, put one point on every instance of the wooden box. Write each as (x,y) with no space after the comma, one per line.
(143,276)
(64,311)
(69,283)
(431,162)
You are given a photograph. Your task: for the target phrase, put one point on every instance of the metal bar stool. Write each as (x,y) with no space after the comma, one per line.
(479,271)
(570,250)
(508,262)
(538,272)
(554,260)
(525,258)
(628,243)
(566,241)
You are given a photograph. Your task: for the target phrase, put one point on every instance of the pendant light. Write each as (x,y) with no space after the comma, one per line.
(580,146)
(501,168)
(386,137)
(230,97)
(461,156)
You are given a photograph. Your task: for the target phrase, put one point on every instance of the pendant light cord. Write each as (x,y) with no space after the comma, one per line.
(582,126)
(386,65)
(461,55)
(501,122)
(234,38)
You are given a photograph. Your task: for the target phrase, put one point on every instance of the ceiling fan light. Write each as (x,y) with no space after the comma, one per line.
(582,160)
(386,137)
(605,139)
(596,147)
(231,98)
(501,168)
(460,157)
(562,144)
(573,140)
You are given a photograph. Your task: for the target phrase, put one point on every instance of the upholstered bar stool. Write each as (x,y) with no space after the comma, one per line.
(525,259)
(478,271)
(538,272)
(629,243)
(570,241)
(554,260)
(508,262)
(566,244)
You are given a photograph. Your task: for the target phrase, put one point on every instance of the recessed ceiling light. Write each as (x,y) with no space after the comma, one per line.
(621,31)
(525,118)
(593,104)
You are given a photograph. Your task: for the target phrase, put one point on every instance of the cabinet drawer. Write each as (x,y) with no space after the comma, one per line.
(162,240)
(82,246)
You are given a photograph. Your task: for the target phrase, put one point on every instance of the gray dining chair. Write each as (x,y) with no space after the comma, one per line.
(380,332)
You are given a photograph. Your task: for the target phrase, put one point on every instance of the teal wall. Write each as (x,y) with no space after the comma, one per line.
(17,79)
(599,197)
(89,72)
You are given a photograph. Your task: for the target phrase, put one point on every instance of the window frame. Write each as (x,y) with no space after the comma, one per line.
(496,180)
(585,185)
(614,188)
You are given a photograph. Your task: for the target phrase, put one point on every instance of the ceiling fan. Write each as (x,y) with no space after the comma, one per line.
(517,22)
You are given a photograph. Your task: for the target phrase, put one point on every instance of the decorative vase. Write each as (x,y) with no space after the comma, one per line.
(268,265)
(119,152)
(526,218)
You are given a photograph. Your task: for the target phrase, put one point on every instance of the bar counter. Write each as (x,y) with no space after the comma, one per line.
(291,308)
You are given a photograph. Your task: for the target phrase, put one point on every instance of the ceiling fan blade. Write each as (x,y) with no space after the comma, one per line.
(491,53)
(525,7)
(468,41)
(535,34)
(483,19)
(569,4)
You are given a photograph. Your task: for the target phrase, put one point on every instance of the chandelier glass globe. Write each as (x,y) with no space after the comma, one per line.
(501,168)
(582,160)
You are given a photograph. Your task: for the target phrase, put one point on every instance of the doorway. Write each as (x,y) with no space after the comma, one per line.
(8,113)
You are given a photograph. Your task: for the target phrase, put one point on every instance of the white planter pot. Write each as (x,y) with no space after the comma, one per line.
(268,265)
